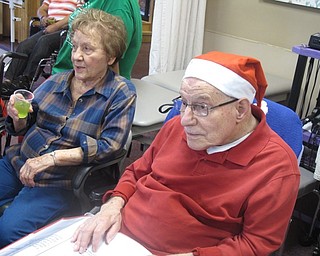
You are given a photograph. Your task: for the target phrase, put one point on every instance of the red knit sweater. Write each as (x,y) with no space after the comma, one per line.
(237,202)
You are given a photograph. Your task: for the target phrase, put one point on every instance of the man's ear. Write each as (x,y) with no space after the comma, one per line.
(243,107)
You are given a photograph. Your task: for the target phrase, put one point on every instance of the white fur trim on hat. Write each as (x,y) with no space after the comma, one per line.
(224,79)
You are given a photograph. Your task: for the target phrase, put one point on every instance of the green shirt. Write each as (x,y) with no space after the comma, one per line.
(129,12)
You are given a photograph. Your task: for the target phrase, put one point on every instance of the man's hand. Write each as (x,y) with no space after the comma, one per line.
(51,28)
(46,21)
(101,227)
(33,166)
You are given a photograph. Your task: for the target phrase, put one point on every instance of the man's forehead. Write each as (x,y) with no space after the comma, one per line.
(192,81)
(198,88)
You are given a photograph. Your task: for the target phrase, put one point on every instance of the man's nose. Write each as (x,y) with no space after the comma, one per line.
(187,117)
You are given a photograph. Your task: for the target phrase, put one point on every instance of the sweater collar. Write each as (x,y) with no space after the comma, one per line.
(253,144)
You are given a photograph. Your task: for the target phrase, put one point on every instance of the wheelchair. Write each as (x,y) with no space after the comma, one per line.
(45,65)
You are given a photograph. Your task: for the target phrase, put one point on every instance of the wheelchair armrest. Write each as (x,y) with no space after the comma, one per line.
(63,36)
(2,123)
(34,25)
(33,19)
(109,178)
(3,133)
(12,55)
(85,170)
(64,33)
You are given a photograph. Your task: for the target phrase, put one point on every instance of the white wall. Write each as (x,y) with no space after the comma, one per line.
(265,29)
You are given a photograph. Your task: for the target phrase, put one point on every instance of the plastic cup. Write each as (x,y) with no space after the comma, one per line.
(51,21)
(22,101)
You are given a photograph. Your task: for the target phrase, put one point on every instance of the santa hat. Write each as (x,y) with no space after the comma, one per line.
(236,76)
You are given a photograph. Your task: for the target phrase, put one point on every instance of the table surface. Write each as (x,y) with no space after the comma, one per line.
(149,98)
(306,51)
(170,80)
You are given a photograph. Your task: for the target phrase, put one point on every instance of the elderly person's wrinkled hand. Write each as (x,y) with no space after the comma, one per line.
(33,166)
(101,227)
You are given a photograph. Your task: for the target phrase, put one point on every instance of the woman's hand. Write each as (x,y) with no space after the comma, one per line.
(18,123)
(101,227)
(12,111)
(33,166)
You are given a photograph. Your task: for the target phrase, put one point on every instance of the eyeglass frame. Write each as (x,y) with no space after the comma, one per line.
(206,107)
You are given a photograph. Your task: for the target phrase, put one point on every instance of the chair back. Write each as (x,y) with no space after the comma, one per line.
(286,123)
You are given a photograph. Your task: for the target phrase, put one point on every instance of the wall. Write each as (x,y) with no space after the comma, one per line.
(264,29)
(25,13)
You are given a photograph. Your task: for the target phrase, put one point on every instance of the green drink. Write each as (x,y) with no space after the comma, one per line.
(23,108)
(51,21)
(22,101)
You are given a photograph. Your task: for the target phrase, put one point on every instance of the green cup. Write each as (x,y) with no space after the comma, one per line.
(22,101)
(51,21)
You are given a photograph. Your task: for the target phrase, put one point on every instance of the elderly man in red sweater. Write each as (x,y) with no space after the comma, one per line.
(213,180)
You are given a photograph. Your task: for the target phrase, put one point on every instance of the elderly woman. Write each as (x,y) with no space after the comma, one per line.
(77,117)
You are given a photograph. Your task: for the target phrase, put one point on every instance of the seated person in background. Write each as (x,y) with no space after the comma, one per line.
(215,181)
(129,12)
(77,117)
(53,16)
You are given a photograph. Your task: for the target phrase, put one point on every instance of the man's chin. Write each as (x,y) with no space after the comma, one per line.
(195,145)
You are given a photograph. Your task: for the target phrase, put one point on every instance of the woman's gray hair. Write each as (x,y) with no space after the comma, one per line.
(109,28)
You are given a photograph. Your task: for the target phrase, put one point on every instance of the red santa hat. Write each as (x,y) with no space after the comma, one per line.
(236,76)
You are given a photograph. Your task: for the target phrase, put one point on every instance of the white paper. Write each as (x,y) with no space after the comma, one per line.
(56,240)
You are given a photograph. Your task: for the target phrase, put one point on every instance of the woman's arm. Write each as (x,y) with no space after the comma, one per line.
(67,157)
(43,11)
(62,157)
(114,129)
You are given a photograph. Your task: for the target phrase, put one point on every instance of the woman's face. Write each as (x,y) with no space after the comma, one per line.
(90,61)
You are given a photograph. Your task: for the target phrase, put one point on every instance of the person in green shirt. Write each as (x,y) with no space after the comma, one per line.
(129,12)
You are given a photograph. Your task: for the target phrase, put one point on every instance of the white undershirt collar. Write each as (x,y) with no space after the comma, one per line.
(225,147)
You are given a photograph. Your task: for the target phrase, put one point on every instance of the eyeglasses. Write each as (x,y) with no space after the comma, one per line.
(202,109)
